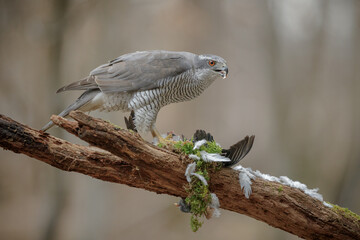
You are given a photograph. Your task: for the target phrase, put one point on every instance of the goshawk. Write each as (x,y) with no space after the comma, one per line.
(144,82)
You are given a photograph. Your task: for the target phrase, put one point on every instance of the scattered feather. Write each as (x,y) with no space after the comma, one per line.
(194,157)
(189,170)
(198,144)
(245,177)
(246,174)
(212,209)
(200,177)
(327,204)
(266,176)
(314,193)
(213,157)
(215,204)
(216,212)
(214,201)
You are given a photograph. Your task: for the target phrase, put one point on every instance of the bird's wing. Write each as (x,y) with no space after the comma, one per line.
(135,71)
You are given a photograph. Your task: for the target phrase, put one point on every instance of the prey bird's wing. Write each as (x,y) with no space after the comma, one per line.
(135,71)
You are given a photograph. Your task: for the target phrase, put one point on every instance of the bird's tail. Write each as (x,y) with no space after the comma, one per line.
(80,103)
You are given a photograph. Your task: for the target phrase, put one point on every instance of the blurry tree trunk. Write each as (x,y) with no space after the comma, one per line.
(350,179)
(56,34)
(130,160)
(304,86)
(292,85)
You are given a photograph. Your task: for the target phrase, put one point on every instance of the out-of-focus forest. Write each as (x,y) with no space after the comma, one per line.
(294,82)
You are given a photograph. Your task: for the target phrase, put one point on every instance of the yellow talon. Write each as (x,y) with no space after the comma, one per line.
(165,141)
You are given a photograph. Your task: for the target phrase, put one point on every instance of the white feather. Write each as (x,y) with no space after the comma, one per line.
(246,175)
(214,201)
(215,204)
(189,170)
(198,144)
(245,183)
(266,176)
(314,193)
(213,157)
(200,177)
(193,156)
(327,204)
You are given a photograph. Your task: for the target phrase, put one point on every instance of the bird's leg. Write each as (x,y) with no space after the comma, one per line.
(165,141)
(155,133)
(169,136)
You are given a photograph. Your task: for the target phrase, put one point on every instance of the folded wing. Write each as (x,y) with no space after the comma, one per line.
(135,71)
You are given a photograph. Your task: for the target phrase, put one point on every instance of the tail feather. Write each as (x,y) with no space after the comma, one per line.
(84,84)
(86,97)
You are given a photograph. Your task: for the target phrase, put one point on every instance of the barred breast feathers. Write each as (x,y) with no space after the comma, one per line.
(180,88)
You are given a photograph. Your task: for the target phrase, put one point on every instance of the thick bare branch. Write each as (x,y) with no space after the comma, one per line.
(130,160)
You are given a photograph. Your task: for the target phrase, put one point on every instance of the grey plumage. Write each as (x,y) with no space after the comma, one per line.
(145,82)
(85,98)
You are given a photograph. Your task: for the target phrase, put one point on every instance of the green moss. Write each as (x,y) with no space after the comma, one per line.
(195,223)
(160,145)
(280,189)
(117,127)
(211,147)
(199,196)
(198,200)
(345,212)
(184,147)
(187,147)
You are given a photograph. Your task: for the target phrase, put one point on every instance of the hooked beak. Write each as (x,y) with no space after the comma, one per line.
(223,72)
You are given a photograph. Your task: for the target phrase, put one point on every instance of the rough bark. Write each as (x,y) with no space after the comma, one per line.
(130,160)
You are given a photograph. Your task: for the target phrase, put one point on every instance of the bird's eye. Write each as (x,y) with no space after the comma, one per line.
(211,63)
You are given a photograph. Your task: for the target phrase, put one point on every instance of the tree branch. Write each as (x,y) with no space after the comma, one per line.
(130,160)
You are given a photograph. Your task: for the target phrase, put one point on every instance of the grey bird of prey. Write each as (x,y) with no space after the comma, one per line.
(145,82)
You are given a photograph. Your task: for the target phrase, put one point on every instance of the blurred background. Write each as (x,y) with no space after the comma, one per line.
(294,82)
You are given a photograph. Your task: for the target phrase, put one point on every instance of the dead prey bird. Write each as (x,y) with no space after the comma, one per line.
(235,153)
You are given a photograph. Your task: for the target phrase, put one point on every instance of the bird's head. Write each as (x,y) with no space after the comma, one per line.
(215,64)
